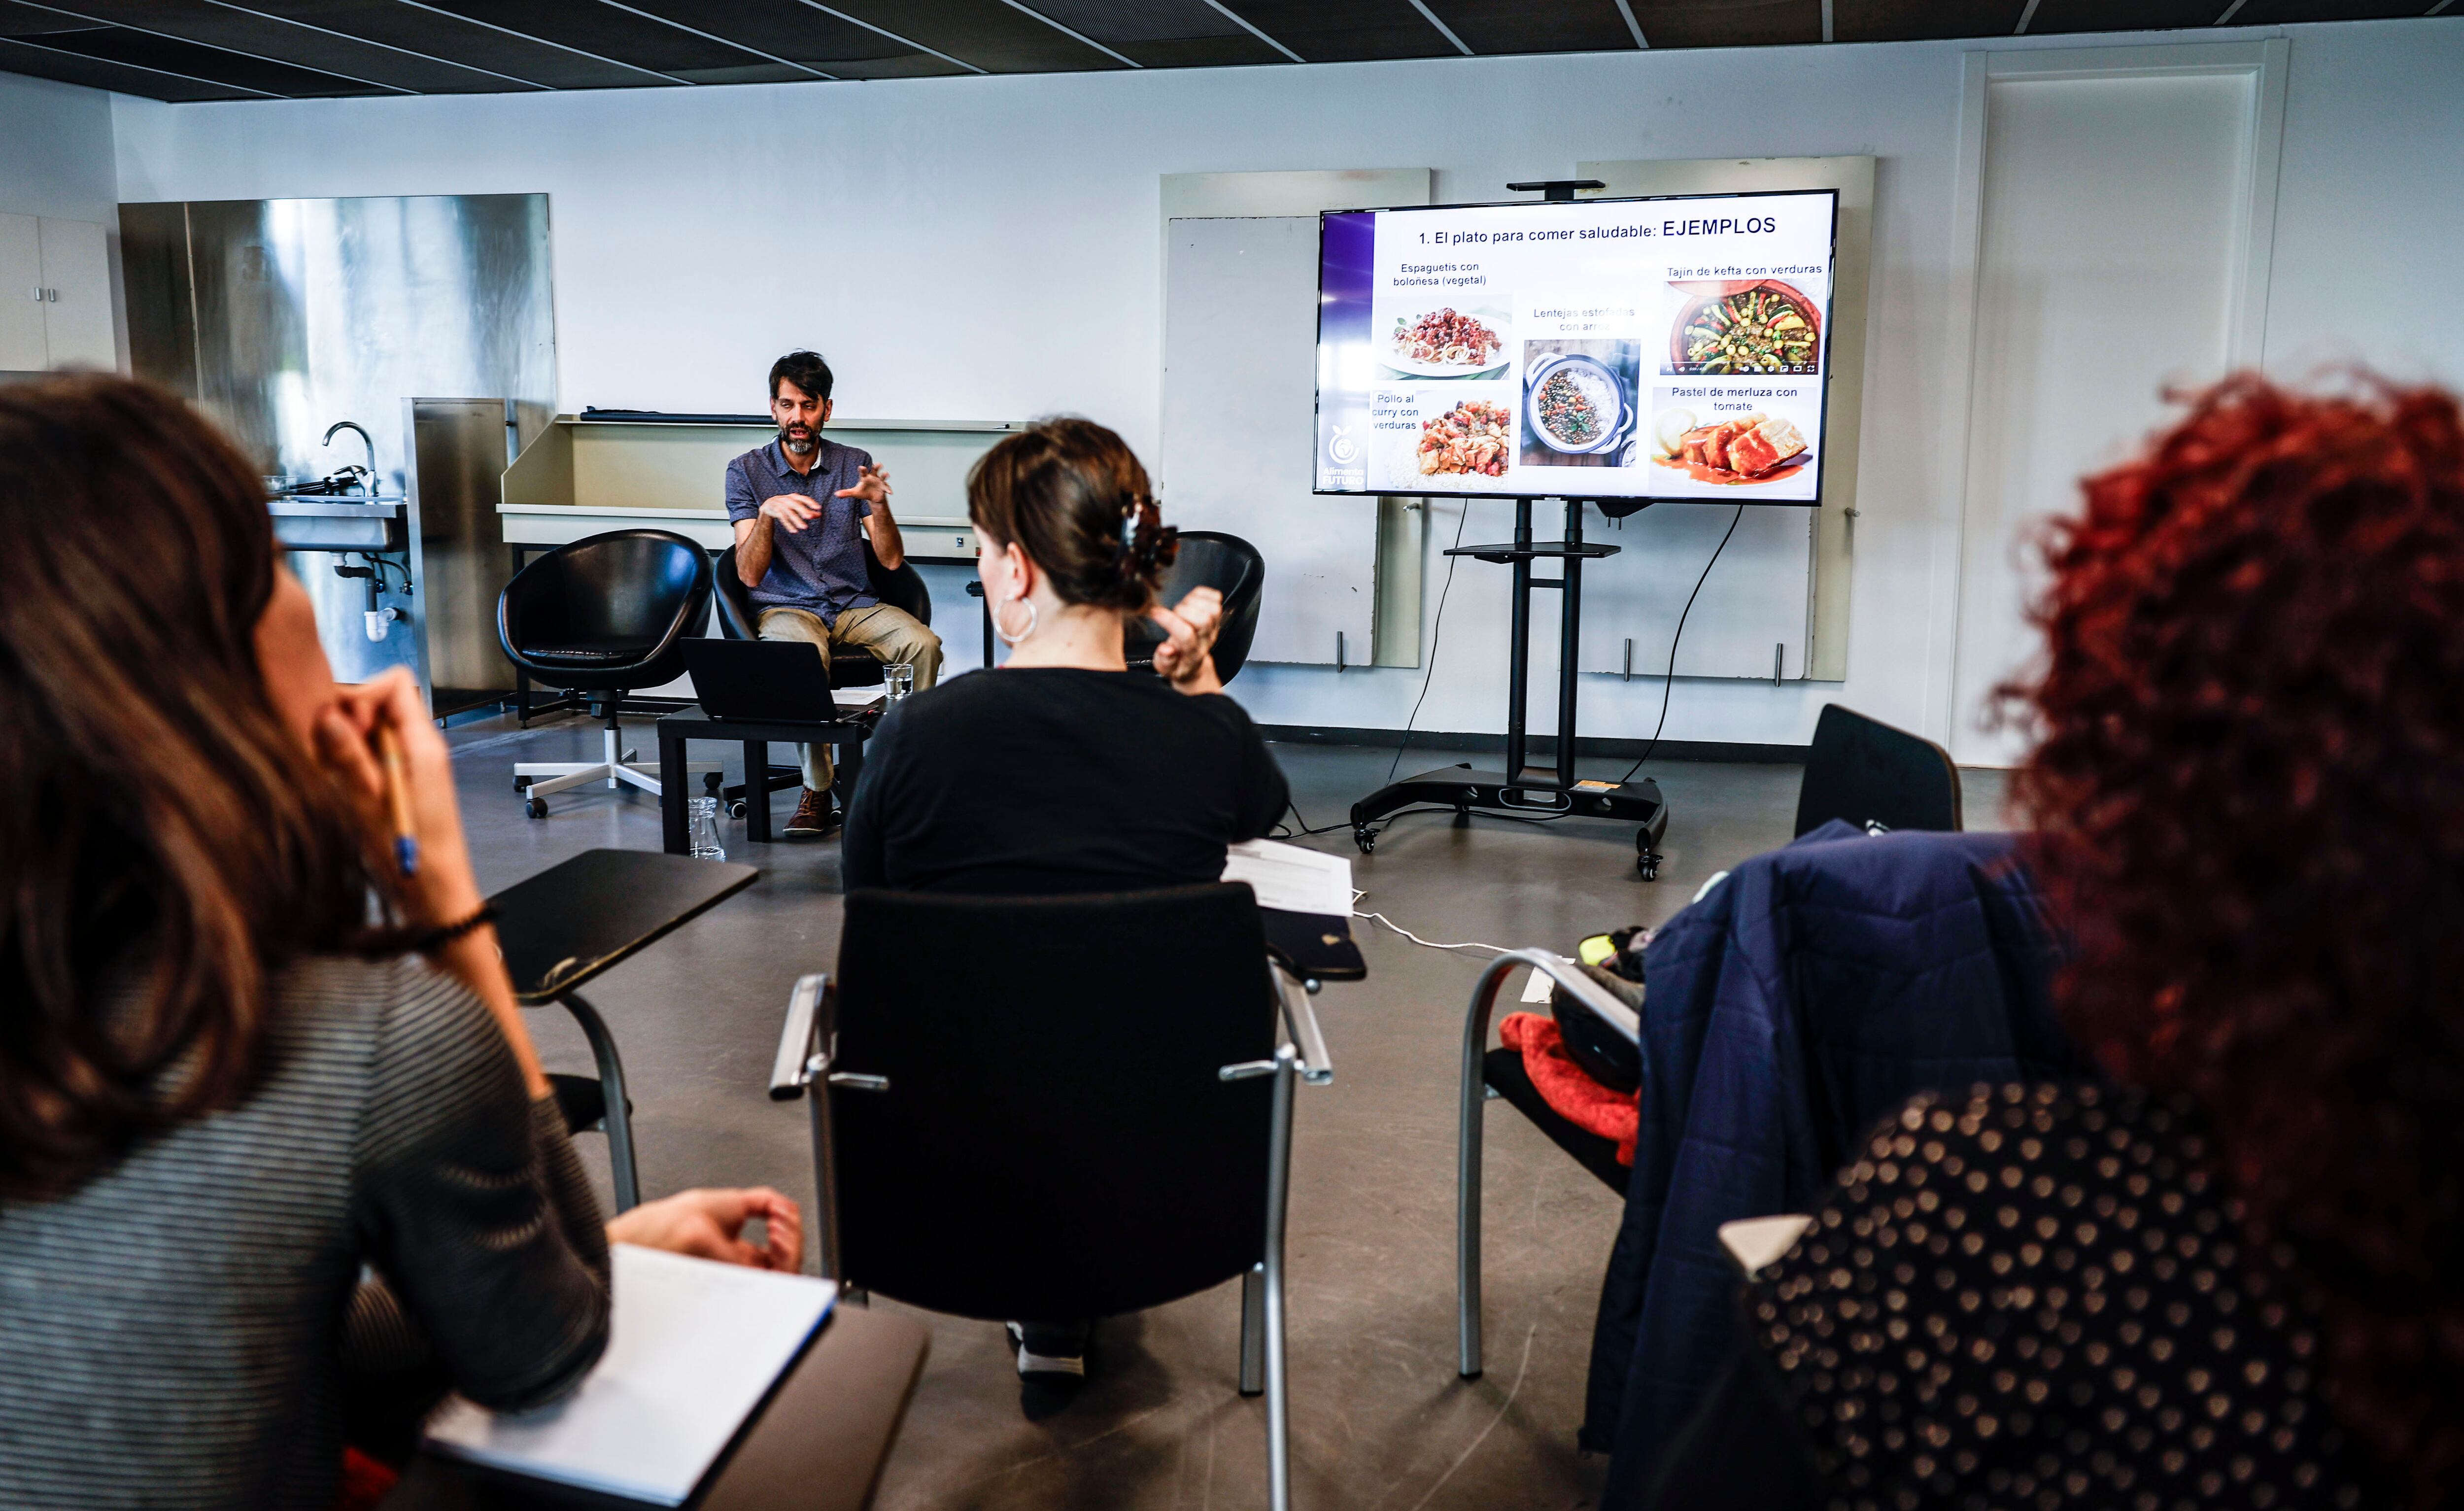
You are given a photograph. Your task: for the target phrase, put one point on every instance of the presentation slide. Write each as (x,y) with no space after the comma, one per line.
(1640,348)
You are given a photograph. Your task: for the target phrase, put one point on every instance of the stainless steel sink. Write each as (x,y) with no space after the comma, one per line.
(338,523)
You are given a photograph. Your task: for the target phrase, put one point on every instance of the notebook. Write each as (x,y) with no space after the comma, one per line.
(1291,879)
(693,1347)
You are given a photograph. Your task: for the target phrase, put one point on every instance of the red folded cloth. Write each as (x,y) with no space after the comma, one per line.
(1572,1095)
(364,1483)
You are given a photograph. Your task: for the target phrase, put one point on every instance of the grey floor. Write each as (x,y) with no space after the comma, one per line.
(1380,1420)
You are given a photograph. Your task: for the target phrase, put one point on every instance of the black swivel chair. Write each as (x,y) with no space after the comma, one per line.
(602,617)
(1006,1125)
(740,618)
(1232,567)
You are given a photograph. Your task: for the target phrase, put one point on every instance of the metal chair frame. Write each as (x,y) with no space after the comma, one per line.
(1471,1124)
(616,1114)
(804,1068)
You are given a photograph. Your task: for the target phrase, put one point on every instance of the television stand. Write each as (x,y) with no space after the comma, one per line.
(1522,790)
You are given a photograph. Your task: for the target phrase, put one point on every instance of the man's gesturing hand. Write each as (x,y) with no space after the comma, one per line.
(794,510)
(872,487)
(1186,658)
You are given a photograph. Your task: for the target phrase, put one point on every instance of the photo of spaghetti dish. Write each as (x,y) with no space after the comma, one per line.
(1764,326)
(1446,342)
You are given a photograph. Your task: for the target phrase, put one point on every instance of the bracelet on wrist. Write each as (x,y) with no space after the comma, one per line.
(437,938)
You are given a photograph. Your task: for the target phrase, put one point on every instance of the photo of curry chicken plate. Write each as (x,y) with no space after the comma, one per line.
(1764,326)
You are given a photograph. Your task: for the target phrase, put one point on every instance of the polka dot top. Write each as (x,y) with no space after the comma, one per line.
(2036,1297)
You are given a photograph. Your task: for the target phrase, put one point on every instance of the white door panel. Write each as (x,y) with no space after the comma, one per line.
(76,317)
(21,279)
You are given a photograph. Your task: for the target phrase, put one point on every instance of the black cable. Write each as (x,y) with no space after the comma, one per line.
(1670,685)
(1437,626)
(1304,829)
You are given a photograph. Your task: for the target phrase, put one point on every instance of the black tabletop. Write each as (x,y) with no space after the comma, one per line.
(573,920)
(1316,945)
(694,724)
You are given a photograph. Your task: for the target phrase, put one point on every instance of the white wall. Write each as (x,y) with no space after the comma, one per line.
(56,154)
(982,247)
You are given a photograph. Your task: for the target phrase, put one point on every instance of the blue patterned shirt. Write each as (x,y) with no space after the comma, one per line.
(821,568)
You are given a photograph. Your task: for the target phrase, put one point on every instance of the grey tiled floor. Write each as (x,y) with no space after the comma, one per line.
(1380,1419)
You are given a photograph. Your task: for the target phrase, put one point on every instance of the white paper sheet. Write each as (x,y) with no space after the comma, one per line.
(693,1349)
(1291,879)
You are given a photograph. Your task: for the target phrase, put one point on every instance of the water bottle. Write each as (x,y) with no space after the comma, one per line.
(704,816)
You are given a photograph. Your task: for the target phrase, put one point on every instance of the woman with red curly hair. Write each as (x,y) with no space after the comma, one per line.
(2233,1275)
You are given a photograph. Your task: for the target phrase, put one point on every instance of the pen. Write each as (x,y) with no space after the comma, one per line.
(406,846)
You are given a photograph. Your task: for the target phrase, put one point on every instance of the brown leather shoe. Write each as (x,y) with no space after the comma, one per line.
(815,815)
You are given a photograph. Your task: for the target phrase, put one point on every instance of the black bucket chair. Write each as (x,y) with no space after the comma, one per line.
(601,617)
(1876,778)
(740,618)
(1232,567)
(1084,1111)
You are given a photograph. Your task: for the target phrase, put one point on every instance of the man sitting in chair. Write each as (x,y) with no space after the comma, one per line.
(797,504)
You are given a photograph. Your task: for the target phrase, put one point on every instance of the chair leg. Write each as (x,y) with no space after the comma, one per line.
(1253,1330)
(620,1107)
(1470,1127)
(1279,1179)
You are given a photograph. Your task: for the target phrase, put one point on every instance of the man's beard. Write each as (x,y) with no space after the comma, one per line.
(810,442)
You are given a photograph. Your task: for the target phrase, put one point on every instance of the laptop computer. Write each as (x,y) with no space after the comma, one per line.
(781,681)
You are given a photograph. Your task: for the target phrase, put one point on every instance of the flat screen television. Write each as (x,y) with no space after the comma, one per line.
(1631,349)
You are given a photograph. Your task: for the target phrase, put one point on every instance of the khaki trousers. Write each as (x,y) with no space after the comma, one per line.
(888,635)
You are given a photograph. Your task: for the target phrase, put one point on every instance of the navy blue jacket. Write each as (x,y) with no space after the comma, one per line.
(1802,1000)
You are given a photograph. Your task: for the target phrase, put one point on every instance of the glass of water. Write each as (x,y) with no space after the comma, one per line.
(898,678)
(702,813)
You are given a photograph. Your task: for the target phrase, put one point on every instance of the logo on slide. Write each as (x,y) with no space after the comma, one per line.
(1341,448)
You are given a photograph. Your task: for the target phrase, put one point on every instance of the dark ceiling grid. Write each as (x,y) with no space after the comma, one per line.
(1074,34)
(1925,20)
(404,62)
(238,31)
(1517,26)
(989,34)
(806,35)
(36,60)
(1728,23)
(792,72)
(436,33)
(2275,12)
(1346,31)
(2127,15)
(171,55)
(1161,34)
(660,51)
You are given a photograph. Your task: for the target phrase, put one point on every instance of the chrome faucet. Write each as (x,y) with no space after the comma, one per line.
(355,428)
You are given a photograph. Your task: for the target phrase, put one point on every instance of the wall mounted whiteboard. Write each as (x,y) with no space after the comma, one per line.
(1240,403)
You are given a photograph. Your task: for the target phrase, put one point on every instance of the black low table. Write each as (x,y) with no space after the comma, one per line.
(757,735)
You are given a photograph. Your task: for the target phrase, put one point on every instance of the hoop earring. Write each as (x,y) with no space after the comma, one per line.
(1000,629)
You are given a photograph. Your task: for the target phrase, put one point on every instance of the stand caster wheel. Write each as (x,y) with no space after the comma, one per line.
(735,809)
(537,807)
(1364,836)
(710,783)
(1647,865)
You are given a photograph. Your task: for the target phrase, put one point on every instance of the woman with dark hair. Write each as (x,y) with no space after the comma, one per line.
(1064,771)
(2235,1275)
(242,1055)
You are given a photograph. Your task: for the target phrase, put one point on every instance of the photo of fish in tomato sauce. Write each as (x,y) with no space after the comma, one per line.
(1750,448)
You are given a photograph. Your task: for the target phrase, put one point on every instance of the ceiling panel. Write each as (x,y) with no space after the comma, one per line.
(244,31)
(418,29)
(801,34)
(1518,26)
(2121,16)
(1728,23)
(42,61)
(1162,34)
(2279,12)
(1346,31)
(994,37)
(605,31)
(1917,20)
(170,54)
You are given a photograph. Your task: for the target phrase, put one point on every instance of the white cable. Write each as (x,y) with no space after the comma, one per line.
(1431,943)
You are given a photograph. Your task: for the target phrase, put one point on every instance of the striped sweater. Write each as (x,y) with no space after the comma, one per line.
(174,1333)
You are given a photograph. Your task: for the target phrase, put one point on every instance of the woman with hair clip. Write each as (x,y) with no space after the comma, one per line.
(2233,1275)
(1064,771)
(244,1051)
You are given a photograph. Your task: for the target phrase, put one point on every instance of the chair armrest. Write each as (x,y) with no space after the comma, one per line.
(1300,1021)
(792,1070)
(1586,991)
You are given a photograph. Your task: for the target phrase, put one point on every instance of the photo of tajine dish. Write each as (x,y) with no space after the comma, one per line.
(1747,450)
(1468,438)
(1760,327)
